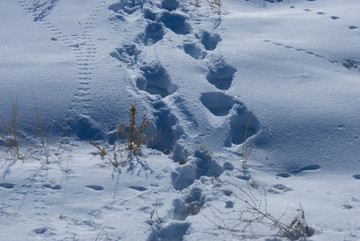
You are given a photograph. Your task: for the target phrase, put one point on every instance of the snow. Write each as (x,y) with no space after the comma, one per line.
(258,105)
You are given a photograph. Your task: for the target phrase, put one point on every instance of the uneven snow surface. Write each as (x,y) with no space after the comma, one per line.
(256,106)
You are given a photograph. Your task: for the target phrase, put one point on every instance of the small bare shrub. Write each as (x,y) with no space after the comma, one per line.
(248,144)
(195,3)
(208,155)
(136,135)
(42,131)
(11,132)
(254,215)
(102,150)
(216,5)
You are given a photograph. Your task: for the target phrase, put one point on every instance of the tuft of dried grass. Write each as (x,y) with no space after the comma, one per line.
(136,135)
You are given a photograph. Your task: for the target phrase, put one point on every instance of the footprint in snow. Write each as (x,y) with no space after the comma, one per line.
(53,187)
(282,187)
(170,5)
(95,187)
(127,54)
(40,230)
(154,32)
(194,51)
(126,7)
(7,185)
(221,75)
(278,188)
(356,176)
(210,41)
(138,188)
(167,122)
(217,103)
(308,168)
(173,231)
(189,206)
(243,177)
(283,174)
(175,22)
(155,80)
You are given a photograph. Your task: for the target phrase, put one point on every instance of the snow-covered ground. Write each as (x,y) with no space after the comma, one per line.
(256,105)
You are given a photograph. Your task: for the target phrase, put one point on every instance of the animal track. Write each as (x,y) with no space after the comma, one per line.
(138,188)
(40,9)
(128,54)
(273,1)
(154,32)
(243,124)
(7,185)
(55,187)
(308,168)
(352,27)
(126,6)
(190,206)
(283,174)
(304,51)
(203,165)
(155,81)
(95,187)
(351,64)
(148,14)
(217,103)
(281,187)
(194,51)
(278,188)
(243,177)
(221,75)
(40,230)
(210,41)
(86,128)
(175,22)
(174,231)
(83,47)
(170,5)
(166,122)
(356,176)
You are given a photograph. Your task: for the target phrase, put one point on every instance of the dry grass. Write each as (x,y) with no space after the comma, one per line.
(136,135)
(216,5)
(11,132)
(42,131)
(252,219)
(102,150)
(208,155)
(248,143)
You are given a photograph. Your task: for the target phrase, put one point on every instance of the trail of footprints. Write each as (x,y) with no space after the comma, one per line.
(155,80)
(81,44)
(351,64)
